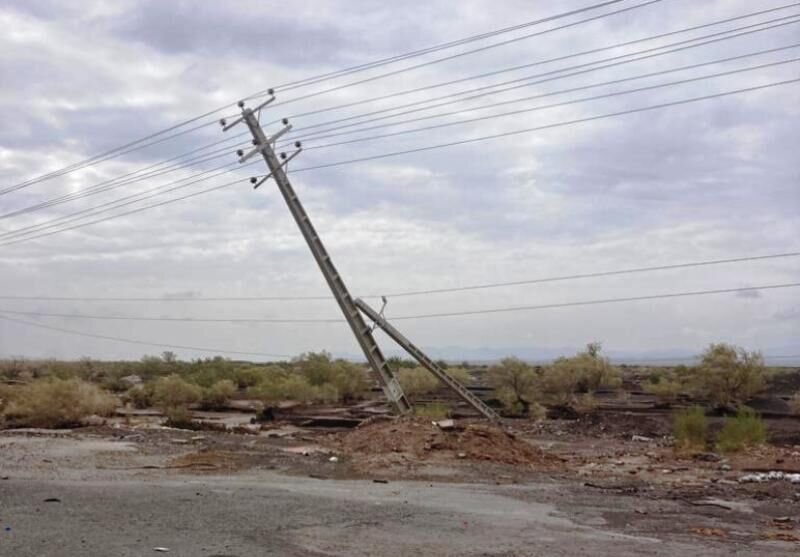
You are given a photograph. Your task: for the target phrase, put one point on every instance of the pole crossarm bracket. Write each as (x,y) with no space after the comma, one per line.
(362,332)
(426,362)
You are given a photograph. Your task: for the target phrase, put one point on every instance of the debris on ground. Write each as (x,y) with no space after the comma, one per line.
(422,439)
(773,476)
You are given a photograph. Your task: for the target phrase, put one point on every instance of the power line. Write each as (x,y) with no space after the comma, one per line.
(324,135)
(407,293)
(445,145)
(550,75)
(48,224)
(227,168)
(544,127)
(558,59)
(128,179)
(140,342)
(543,107)
(595,302)
(462,54)
(404,317)
(79,195)
(142,142)
(130,212)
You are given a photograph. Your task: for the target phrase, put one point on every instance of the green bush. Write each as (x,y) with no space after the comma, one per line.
(141,396)
(744,430)
(690,429)
(516,385)
(461,375)
(173,391)
(584,373)
(54,403)
(320,369)
(665,387)
(417,381)
(729,376)
(218,395)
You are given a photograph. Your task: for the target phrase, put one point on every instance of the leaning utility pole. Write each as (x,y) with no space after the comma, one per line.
(361,330)
(426,362)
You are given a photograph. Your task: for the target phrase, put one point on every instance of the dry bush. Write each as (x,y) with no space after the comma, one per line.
(461,375)
(665,387)
(690,429)
(516,385)
(744,430)
(794,404)
(729,376)
(218,395)
(279,387)
(54,403)
(141,396)
(584,373)
(173,391)
(417,381)
(321,371)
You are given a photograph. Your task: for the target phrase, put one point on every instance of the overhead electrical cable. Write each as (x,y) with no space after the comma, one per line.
(454,56)
(101,187)
(544,127)
(163,189)
(456,143)
(140,342)
(406,293)
(595,302)
(461,313)
(126,180)
(551,75)
(146,140)
(547,106)
(316,137)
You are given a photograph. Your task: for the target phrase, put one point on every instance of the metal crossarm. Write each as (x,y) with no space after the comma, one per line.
(360,329)
(426,362)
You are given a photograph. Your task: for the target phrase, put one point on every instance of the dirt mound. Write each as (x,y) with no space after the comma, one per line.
(423,440)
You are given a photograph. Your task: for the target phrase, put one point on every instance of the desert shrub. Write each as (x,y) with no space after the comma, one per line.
(690,429)
(319,369)
(744,430)
(729,376)
(217,395)
(417,381)
(664,386)
(281,386)
(516,385)
(247,377)
(173,391)
(461,375)
(141,396)
(56,403)
(794,404)
(584,403)
(396,363)
(432,411)
(585,372)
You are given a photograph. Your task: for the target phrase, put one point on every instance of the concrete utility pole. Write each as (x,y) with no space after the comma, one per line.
(362,332)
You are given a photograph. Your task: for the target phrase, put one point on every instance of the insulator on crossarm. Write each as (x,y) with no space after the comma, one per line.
(239,152)
(255,142)
(298,144)
(270,91)
(285,121)
(240,104)
(253,180)
(222,122)
(283,155)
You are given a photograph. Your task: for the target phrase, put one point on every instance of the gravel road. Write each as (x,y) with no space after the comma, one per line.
(274,514)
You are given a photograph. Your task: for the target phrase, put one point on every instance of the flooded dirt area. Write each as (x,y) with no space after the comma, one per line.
(406,486)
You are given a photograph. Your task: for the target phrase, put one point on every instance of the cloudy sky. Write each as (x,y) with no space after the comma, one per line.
(707,180)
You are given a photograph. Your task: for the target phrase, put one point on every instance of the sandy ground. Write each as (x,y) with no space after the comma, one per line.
(126,491)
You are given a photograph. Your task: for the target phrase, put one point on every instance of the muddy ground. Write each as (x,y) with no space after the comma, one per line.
(605,485)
